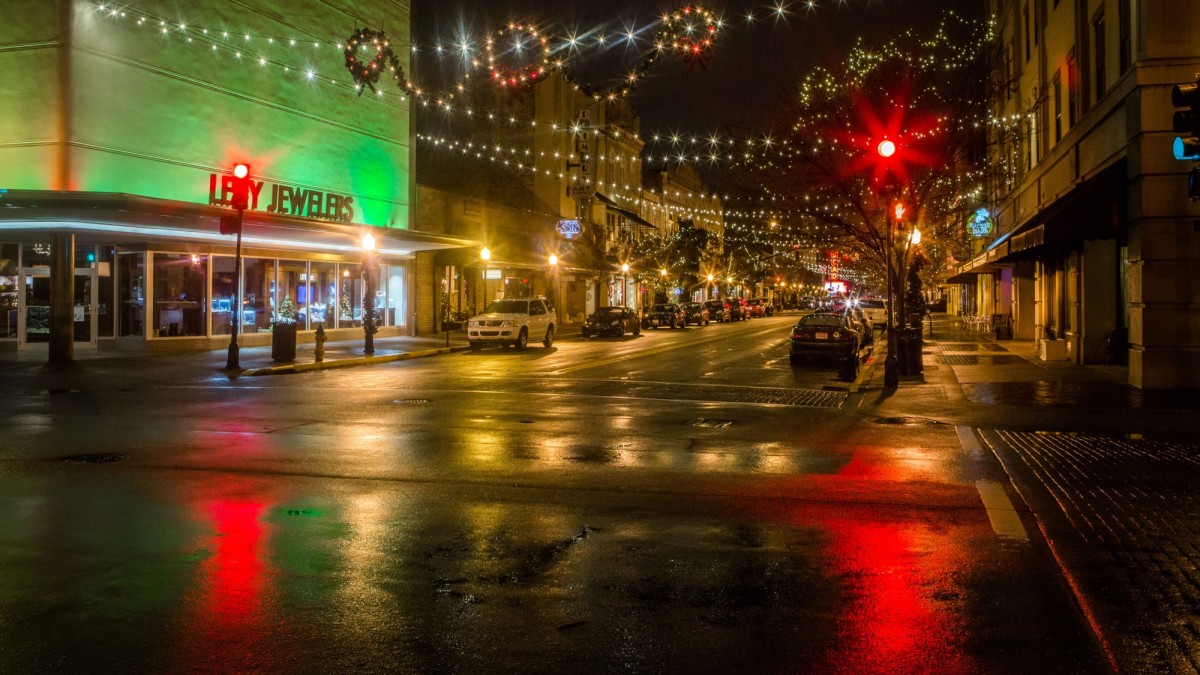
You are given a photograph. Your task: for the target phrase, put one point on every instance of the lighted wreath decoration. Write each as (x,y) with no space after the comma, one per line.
(366,72)
(689,32)
(504,76)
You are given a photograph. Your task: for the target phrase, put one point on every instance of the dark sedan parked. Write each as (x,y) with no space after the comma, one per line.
(665,314)
(694,312)
(612,321)
(831,335)
(718,310)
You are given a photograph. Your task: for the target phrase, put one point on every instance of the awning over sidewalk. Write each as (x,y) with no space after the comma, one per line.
(629,215)
(1094,209)
(124,218)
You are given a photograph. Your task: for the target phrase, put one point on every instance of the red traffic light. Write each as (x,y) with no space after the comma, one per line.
(886,148)
(240,199)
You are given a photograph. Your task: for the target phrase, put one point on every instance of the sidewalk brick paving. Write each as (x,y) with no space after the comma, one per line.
(1124,515)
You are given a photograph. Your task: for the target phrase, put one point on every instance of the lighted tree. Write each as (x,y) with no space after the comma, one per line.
(903,122)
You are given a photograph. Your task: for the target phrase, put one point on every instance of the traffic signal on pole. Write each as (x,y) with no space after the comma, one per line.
(229,224)
(241,187)
(1187,121)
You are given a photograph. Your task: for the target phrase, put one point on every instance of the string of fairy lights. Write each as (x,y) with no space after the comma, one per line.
(796,219)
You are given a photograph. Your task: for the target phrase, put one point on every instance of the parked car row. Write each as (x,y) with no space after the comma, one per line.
(837,334)
(513,322)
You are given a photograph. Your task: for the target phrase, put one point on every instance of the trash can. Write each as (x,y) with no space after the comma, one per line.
(1002,324)
(908,351)
(283,342)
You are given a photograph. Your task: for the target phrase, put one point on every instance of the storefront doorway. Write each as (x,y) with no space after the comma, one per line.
(33,329)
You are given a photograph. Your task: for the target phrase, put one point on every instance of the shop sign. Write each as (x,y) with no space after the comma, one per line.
(285,199)
(981,223)
(569,229)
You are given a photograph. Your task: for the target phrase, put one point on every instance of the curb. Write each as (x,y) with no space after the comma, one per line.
(291,368)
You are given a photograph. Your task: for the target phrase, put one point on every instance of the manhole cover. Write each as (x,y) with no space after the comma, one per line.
(411,401)
(711,424)
(96,458)
(905,421)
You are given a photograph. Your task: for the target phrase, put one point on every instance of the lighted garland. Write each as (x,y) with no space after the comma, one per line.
(366,73)
(504,76)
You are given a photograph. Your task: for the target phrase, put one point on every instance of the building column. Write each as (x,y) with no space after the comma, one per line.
(62,298)
(1164,296)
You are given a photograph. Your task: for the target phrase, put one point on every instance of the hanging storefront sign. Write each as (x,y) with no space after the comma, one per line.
(981,223)
(285,199)
(569,229)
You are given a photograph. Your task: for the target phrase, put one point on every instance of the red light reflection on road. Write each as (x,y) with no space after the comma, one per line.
(234,575)
(891,622)
(225,614)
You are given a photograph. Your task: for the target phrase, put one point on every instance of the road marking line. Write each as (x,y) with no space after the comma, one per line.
(966,437)
(1006,523)
(653,351)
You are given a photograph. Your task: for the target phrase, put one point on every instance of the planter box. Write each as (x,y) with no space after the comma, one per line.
(1052,350)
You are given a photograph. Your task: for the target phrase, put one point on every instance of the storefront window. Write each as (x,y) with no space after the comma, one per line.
(258,303)
(131,296)
(9,300)
(106,292)
(395,294)
(35,267)
(350,295)
(224,294)
(293,292)
(180,294)
(323,286)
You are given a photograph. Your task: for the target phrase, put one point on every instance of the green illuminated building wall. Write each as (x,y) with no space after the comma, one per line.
(122,106)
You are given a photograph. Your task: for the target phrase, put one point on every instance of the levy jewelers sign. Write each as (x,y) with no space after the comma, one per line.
(285,199)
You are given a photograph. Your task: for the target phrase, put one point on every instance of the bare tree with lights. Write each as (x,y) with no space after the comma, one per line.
(902,123)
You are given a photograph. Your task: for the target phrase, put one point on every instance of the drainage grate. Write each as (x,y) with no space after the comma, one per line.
(711,424)
(411,401)
(959,347)
(96,458)
(960,360)
(906,421)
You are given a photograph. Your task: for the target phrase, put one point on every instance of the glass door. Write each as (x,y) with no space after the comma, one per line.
(35,289)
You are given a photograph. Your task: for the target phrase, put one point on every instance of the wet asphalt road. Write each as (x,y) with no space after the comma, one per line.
(684,501)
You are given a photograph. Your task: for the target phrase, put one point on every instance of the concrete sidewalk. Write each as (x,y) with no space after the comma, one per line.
(256,361)
(1111,475)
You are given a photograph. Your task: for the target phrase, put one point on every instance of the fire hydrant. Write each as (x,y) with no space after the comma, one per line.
(319,352)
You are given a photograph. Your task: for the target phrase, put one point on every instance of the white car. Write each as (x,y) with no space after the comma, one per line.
(876,310)
(513,321)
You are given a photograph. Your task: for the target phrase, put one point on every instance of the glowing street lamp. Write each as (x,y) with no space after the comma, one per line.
(886,148)
(485,255)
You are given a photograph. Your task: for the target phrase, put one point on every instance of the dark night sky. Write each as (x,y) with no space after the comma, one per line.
(753,67)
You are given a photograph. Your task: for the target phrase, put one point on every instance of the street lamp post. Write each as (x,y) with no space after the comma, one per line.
(553,260)
(891,365)
(485,255)
(370,273)
(624,290)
